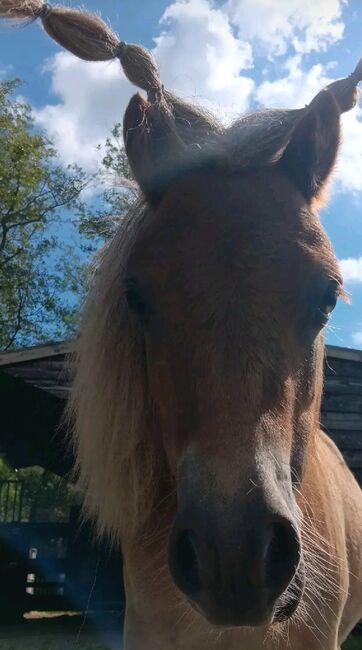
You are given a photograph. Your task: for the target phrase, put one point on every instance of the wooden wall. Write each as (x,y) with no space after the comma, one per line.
(341,414)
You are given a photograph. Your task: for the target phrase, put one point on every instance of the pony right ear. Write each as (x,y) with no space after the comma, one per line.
(310,155)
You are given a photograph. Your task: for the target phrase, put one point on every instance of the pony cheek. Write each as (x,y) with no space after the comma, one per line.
(299,451)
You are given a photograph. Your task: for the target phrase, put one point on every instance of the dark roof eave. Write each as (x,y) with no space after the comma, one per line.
(37,352)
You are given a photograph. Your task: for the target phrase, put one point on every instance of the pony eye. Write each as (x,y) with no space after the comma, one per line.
(324,310)
(137,299)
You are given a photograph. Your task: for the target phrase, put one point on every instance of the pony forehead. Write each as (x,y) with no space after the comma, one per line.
(260,137)
(254,140)
(217,201)
(186,243)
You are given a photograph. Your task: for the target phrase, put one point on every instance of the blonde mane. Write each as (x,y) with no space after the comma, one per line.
(117,460)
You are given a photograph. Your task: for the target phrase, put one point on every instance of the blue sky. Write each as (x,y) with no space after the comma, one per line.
(233,56)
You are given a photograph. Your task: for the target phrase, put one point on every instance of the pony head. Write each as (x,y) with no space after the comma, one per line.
(199,362)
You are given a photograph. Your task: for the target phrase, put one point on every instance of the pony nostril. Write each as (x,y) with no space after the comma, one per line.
(282,556)
(279,544)
(185,563)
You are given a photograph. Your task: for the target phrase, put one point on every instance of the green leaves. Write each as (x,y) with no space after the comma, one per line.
(43,272)
(43,490)
(35,190)
(117,192)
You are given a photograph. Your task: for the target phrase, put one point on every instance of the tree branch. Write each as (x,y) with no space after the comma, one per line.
(18,321)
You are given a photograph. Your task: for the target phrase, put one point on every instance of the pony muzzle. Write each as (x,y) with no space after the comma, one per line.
(246,574)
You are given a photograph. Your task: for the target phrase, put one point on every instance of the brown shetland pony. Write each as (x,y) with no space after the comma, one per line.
(200,367)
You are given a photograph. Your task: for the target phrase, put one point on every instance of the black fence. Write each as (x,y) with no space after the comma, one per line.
(53,566)
(11,501)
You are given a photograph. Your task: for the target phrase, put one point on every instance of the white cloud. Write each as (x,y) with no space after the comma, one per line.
(349,167)
(6,71)
(200,56)
(295,88)
(92,98)
(275,24)
(351,269)
(357,338)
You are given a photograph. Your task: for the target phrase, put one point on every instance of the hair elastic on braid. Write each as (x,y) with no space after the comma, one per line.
(121,49)
(45,11)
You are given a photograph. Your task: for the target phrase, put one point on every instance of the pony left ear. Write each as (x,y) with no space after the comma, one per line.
(165,137)
(310,155)
(149,142)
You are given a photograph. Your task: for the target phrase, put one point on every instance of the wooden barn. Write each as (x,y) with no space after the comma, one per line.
(52,564)
(47,562)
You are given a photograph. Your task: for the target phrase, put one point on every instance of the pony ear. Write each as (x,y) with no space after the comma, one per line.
(150,144)
(165,137)
(310,155)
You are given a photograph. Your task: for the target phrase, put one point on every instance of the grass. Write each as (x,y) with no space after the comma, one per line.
(55,642)
(73,633)
(64,632)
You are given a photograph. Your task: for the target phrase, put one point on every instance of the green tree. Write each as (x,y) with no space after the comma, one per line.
(118,191)
(40,279)
(45,494)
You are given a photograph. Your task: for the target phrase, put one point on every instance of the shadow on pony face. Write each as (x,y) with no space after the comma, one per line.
(232,279)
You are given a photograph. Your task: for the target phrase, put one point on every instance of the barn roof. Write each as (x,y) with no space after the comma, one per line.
(36,352)
(44,366)
(34,383)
